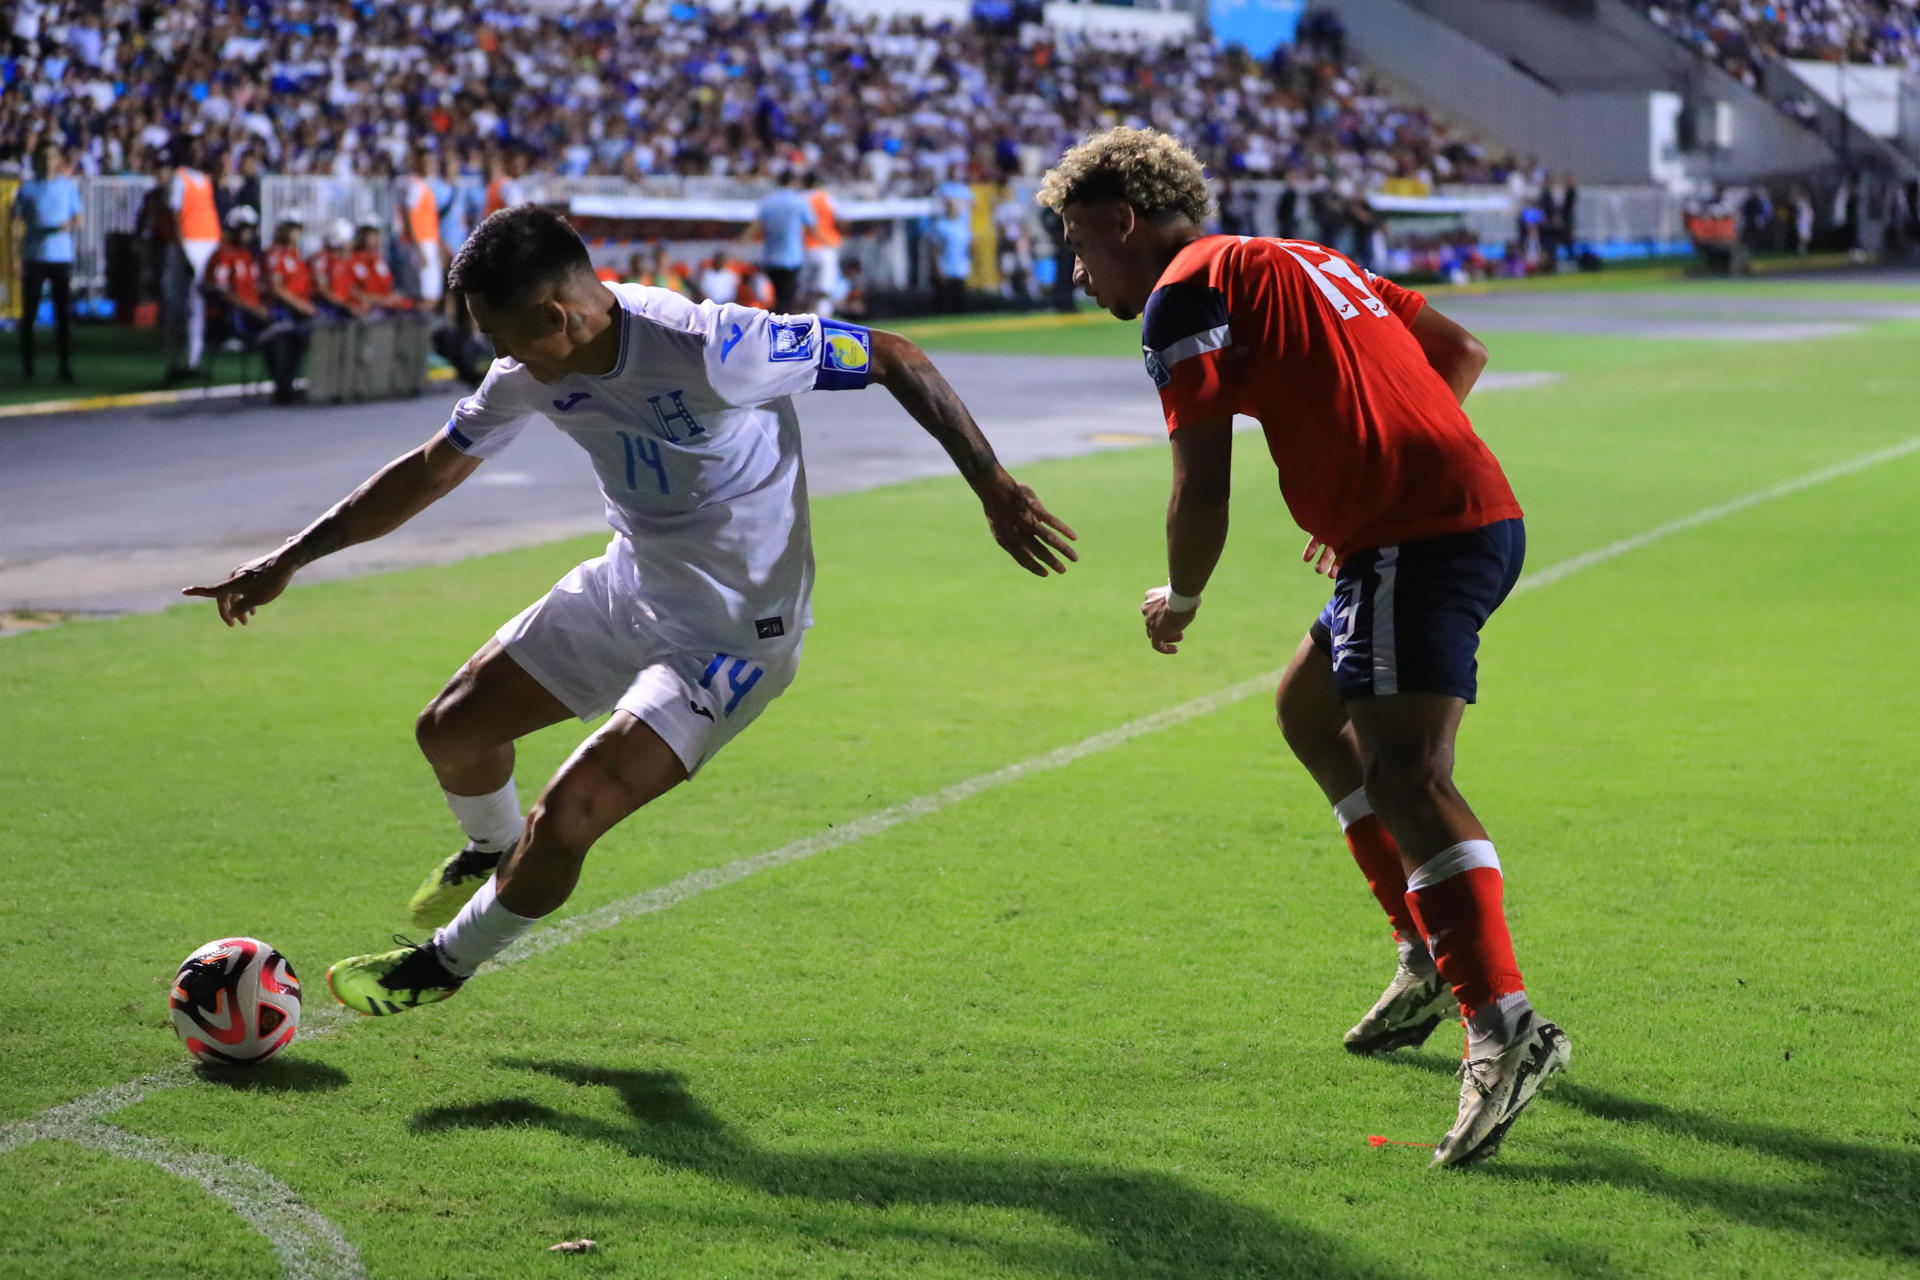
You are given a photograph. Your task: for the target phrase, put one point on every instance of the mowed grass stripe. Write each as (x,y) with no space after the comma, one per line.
(216,1112)
(330,1017)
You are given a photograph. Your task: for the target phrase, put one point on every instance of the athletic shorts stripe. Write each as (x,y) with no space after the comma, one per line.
(1386,672)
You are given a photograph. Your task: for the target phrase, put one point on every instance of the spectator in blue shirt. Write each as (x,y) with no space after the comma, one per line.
(47,209)
(952,236)
(782,223)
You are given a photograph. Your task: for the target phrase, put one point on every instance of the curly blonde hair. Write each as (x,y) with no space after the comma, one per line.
(1148,169)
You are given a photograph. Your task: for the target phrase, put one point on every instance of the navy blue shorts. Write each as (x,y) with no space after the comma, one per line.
(1407,618)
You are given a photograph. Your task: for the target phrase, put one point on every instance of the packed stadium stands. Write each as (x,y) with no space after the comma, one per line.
(1736,33)
(898,106)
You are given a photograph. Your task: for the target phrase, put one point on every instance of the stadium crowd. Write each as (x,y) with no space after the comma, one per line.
(897,107)
(1738,34)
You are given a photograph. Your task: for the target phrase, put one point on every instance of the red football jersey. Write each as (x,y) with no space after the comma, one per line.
(286,268)
(1372,448)
(235,272)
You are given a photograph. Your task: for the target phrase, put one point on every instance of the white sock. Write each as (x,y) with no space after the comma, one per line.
(481,931)
(493,821)
(1355,807)
(1493,1027)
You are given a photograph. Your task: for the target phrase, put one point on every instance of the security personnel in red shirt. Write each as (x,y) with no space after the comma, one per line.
(289,277)
(235,275)
(332,272)
(373,288)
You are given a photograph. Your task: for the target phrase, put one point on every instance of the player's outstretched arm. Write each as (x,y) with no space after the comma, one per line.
(1196,528)
(392,496)
(1022,526)
(1456,355)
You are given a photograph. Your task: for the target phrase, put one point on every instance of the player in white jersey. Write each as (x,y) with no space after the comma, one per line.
(689,624)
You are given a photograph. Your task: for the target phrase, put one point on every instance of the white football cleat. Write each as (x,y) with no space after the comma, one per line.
(1494,1090)
(1406,1013)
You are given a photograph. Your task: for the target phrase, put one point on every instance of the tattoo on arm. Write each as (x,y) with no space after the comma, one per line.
(392,496)
(322,538)
(925,394)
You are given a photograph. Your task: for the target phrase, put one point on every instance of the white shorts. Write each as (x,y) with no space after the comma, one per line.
(432,274)
(589,645)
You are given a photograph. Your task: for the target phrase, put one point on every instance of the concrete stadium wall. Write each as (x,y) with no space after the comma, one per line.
(1590,97)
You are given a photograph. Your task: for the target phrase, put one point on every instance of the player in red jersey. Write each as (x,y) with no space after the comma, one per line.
(1357,384)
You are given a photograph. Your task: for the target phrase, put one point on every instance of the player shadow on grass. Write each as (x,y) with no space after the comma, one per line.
(1150,1217)
(1862,1198)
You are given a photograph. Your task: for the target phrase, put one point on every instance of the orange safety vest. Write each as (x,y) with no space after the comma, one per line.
(606,275)
(496,196)
(199,219)
(423,214)
(827,234)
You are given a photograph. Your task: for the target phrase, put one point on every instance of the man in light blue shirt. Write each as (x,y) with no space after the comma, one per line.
(952,235)
(47,209)
(782,222)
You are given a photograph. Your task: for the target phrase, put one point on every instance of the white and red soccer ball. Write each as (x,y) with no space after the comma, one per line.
(236,1002)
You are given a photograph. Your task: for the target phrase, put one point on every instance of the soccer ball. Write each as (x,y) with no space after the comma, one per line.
(236,1001)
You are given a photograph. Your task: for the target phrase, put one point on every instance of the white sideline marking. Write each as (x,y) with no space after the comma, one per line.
(1549,576)
(587,922)
(310,1247)
(300,1235)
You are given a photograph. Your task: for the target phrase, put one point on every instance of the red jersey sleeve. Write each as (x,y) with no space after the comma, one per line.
(1188,342)
(1403,302)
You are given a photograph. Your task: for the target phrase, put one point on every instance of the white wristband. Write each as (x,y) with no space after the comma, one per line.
(1177,603)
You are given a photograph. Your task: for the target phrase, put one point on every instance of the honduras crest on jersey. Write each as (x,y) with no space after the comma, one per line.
(789,340)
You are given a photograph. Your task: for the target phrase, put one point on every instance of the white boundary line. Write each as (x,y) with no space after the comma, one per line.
(311,1248)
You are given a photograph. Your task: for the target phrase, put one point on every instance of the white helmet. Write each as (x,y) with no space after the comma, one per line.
(340,234)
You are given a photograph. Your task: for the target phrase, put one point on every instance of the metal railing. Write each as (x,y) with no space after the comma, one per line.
(1649,215)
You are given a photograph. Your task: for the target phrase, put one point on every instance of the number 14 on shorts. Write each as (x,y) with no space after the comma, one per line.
(740,678)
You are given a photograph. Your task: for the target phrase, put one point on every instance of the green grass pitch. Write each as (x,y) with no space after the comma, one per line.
(1084,1024)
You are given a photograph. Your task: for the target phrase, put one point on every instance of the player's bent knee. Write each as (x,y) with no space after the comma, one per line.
(1398,782)
(437,730)
(559,832)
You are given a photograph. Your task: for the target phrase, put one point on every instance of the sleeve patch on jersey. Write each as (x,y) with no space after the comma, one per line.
(1178,311)
(789,340)
(460,441)
(1157,369)
(846,357)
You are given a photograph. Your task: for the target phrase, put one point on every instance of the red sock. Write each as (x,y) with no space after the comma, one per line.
(1466,928)
(1379,859)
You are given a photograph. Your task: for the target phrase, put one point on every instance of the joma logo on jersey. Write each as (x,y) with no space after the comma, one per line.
(677,411)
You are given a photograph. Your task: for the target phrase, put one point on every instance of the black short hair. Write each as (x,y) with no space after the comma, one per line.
(516,251)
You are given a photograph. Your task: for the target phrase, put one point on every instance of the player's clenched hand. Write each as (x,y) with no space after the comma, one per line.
(253,584)
(1026,530)
(1320,556)
(1165,628)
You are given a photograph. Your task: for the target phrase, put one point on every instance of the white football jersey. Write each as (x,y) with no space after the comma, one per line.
(697,447)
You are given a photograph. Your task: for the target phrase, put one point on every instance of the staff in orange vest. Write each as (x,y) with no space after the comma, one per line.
(196,226)
(505,189)
(418,214)
(822,242)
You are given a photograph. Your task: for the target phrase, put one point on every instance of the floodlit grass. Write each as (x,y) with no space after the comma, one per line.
(1085,1024)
